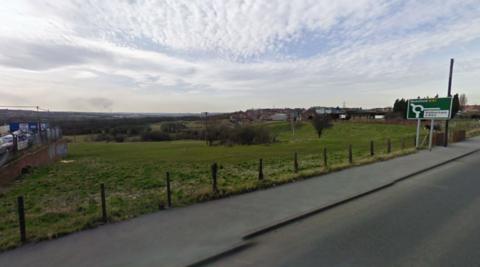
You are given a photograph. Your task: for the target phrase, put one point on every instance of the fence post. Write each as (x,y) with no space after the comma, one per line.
(21,219)
(169,192)
(295,162)
(325,160)
(389,146)
(350,154)
(15,143)
(104,204)
(372,149)
(214,177)
(260,169)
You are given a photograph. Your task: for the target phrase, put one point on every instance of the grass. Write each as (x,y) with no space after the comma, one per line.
(472,127)
(65,197)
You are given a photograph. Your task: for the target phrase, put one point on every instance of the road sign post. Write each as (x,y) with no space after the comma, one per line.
(439,108)
(417,142)
(432,122)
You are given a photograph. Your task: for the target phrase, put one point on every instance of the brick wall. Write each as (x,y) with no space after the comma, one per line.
(35,158)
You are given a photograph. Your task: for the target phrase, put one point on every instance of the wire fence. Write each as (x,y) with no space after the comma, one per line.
(107,202)
(14,144)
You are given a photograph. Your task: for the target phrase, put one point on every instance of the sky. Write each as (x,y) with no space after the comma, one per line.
(228,55)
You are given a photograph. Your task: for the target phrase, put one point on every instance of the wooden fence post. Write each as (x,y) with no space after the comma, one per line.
(214,178)
(21,219)
(260,169)
(372,149)
(169,192)
(104,204)
(295,162)
(325,160)
(350,154)
(389,146)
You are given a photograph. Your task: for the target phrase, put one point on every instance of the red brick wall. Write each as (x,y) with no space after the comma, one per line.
(39,157)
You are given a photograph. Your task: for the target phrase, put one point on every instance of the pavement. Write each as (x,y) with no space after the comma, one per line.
(183,236)
(428,220)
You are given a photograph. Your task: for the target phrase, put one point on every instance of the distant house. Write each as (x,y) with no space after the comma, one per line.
(4,129)
(471,108)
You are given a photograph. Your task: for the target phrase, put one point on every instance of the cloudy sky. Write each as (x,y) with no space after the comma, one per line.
(226,55)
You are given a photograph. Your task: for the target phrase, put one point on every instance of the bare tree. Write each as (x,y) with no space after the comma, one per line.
(463,101)
(321,122)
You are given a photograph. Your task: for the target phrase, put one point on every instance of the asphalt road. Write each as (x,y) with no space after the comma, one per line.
(432,219)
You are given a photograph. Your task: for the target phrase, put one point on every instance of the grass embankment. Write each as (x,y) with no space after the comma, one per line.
(64,197)
(472,127)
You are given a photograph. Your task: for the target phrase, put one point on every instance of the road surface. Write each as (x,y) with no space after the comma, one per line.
(432,219)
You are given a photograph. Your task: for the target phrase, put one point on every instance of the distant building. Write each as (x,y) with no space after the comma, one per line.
(471,108)
(279,117)
(364,115)
(4,129)
(328,110)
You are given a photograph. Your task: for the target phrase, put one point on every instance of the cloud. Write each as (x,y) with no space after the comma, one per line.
(41,56)
(85,75)
(149,55)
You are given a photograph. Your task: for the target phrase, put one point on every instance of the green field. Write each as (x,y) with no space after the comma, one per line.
(64,197)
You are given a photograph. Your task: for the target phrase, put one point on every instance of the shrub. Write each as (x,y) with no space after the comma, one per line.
(173,127)
(103,137)
(119,138)
(242,135)
(155,136)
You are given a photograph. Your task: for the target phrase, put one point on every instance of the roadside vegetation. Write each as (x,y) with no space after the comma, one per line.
(65,197)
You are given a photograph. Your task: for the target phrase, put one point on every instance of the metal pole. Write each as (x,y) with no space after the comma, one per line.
(449,93)
(293,125)
(38,122)
(206,128)
(417,142)
(431,136)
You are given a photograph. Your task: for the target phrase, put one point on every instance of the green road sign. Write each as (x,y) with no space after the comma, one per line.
(430,109)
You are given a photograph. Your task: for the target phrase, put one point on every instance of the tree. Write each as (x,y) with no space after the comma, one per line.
(462,101)
(403,107)
(395,106)
(455,105)
(400,107)
(321,122)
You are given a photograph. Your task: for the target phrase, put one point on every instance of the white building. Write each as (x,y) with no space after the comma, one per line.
(279,117)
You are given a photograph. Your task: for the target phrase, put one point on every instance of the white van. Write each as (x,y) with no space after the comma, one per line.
(6,142)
